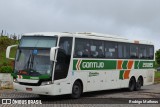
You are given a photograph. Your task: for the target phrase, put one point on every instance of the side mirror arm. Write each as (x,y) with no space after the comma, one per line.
(8,51)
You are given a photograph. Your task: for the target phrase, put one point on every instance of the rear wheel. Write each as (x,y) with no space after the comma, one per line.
(138,84)
(132,84)
(76,90)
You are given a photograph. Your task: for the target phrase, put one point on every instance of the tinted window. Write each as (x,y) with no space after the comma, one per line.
(142,52)
(150,52)
(123,50)
(133,51)
(97,49)
(63,58)
(110,50)
(87,48)
(82,48)
(38,41)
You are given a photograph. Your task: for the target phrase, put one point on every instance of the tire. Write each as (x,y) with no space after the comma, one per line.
(132,84)
(138,84)
(76,90)
(43,96)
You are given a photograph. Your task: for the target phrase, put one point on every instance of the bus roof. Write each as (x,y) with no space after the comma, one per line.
(90,35)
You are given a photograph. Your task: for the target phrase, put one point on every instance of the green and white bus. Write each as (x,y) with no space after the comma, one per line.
(73,63)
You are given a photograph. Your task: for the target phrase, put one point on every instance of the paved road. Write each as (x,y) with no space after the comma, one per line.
(96,98)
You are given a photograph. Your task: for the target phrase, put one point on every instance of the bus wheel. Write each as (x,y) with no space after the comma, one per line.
(138,84)
(43,96)
(76,90)
(132,84)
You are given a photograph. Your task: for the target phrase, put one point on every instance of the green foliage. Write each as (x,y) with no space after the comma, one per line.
(158,57)
(4,64)
(4,42)
(6,69)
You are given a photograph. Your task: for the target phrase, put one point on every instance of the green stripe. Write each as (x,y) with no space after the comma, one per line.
(74,64)
(136,64)
(95,64)
(32,77)
(144,65)
(124,65)
(110,64)
(121,74)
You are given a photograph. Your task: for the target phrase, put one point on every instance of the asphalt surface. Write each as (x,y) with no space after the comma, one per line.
(117,97)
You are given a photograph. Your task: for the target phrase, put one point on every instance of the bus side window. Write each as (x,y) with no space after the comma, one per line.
(142,52)
(120,51)
(123,50)
(97,49)
(111,50)
(100,52)
(78,51)
(150,52)
(94,53)
(86,51)
(82,48)
(134,51)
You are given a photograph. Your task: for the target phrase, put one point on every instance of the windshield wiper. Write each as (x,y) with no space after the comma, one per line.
(19,54)
(28,62)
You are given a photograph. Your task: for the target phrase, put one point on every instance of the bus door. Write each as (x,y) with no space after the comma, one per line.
(63,58)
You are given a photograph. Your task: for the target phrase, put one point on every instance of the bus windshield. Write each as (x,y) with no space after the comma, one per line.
(33,62)
(33,59)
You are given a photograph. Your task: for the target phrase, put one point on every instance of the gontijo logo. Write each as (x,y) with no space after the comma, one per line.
(93,65)
(147,65)
(88,65)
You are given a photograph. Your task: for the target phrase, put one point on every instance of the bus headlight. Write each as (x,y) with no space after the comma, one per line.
(46,83)
(15,80)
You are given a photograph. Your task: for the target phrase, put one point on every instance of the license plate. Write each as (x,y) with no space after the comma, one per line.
(29,89)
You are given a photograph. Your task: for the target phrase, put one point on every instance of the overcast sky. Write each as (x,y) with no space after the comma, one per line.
(134,19)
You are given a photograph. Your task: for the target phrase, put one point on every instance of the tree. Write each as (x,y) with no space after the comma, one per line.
(2,33)
(14,37)
(158,57)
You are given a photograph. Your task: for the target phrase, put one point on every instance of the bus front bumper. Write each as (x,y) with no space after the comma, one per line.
(42,90)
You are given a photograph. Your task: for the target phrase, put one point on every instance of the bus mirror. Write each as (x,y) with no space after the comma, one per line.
(52,53)
(8,51)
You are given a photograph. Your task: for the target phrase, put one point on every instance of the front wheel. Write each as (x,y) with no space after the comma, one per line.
(76,90)
(43,96)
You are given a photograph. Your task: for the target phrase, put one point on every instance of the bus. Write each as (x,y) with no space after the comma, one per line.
(55,63)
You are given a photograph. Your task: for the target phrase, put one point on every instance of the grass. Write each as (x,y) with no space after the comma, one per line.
(157,74)
(157,77)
